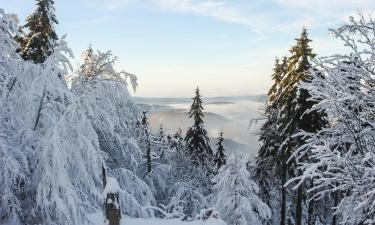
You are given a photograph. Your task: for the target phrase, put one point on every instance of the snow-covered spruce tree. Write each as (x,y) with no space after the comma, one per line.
(296,114)
(188,183)
(193,172)
(155,166)
(40,39)
(220,158)
(236,195)
(163,143)
(288,112)
(196,140)
(341,162)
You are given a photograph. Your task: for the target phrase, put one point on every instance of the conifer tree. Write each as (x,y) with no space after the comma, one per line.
(295,115)
(146,139)
(288,112)
(197,141)
(220,158)
(268,163)
(161,132)
(39,41)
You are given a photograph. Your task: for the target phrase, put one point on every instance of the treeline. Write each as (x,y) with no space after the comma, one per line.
(316,161)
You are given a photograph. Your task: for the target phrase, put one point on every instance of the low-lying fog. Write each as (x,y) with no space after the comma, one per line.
(231,114)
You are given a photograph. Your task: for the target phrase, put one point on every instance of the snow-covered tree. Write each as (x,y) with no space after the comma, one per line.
(220,158)
(196,139)
(45,179)
(341,156)
(40,39)
(237,197)
(100,65)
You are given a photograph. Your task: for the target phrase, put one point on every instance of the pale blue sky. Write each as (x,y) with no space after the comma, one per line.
(227,47)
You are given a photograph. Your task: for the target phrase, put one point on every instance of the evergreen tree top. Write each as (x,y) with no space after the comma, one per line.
(220,158)
(220,138)
(301,53)
(39,41)
(196,109)
(161,130)
(278,74)
(44,12)
(297,69)
(197,141)
(144,120)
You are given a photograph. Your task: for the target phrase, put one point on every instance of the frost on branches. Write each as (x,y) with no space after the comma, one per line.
(53,140)
(237,195)
(341,163)
(100,65)
(45,179)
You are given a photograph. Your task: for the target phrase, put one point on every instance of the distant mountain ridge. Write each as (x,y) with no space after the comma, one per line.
(207,100)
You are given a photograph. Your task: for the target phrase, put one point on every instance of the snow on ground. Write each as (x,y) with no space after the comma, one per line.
(98,219)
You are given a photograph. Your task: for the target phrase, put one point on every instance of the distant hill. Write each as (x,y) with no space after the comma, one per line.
(208,100)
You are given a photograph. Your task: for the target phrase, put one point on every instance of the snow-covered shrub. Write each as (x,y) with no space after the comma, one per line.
(206,214)
(186,200)
(236,196)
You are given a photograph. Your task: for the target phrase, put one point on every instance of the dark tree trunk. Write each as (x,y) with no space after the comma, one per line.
(311,212)
(283,193)
(335,202)
(11,86)
(299,202)
(40,108)
(149,168)
(104,176)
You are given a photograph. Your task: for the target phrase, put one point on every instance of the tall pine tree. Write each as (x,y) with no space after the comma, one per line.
(196,139)
(220,159)
(295,115)
(39,41)
(288,112)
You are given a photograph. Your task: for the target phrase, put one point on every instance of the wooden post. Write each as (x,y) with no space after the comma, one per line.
(111,199)
(112,209)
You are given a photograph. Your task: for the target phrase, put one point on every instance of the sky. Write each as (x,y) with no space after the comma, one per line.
(226,47)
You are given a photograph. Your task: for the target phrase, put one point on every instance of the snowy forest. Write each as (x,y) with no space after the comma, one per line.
(76,149)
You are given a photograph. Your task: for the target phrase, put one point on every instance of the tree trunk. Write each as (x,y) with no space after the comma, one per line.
(283,193)
(148,153)
(310,212)
(104,175)
(299,205)
(335,202)
(40,108)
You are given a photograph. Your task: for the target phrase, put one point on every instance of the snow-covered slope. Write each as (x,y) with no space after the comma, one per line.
(97,219)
